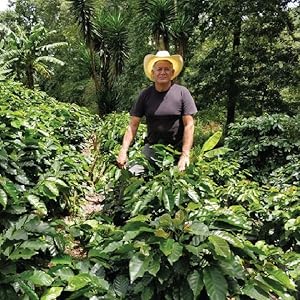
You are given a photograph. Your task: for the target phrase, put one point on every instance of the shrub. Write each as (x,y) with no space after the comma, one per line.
(263,144)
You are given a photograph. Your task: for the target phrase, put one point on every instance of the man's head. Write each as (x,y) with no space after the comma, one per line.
(162,71)
(152,63)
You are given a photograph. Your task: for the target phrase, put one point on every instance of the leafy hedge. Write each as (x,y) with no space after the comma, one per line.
(43,174)
(263,144)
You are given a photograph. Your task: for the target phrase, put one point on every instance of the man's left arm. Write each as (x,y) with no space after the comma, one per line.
(187,142)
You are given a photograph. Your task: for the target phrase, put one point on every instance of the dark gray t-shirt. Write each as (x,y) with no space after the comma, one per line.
(163,112)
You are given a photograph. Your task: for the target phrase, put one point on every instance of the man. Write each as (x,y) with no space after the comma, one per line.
(168,108)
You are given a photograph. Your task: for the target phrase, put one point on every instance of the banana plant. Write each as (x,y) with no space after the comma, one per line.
(29,55)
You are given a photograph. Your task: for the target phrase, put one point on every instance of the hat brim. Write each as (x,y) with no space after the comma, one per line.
(151,59)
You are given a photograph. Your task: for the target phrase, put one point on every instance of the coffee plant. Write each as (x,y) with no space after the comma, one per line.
(43,175)
(263,144)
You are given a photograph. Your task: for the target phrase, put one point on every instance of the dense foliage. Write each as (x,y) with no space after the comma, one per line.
(214,231)
(43,175)
(226,228)
(266,143)
(244,57)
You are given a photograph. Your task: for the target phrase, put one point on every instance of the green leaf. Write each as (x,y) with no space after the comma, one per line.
(22,253)
(255,292)
(196,283)
(35,244)
(176,253)
(198,251)
(215,283)
(52,187)
(140,218)
(137,267)
(166,246)
(178,197)
(78,282)
(28,290)
(199,229)
(281,276)
(168,200)
(154,265)
(61,260)
(192,194)
(230,238)
(161,233)
(165,221)
(22,179)
(147,293)
(40,278)
(3,198)
(216,152)
(179,218)
(57,181)
(112,247)
(37,204)
(64,273)
(220,245)
(211,142)
(121,285)
(52,293)
(11,190)
(19,234)
(233,268)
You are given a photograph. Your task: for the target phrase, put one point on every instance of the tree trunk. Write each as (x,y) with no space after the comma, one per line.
(233,88)
(29,76)
(95,76)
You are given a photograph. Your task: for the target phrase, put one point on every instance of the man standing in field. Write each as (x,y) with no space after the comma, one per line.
(168,108)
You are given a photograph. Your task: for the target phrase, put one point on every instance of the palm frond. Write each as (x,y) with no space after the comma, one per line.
(43,70)
(83,11)
(50,59)
(52,46)
(116,36)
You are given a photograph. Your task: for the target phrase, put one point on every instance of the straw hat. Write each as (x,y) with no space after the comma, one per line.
(151,59)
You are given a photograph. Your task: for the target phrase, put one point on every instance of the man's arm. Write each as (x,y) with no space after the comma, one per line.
(127,140)
(187,143)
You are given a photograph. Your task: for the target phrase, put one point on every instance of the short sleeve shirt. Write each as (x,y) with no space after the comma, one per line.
(164,112)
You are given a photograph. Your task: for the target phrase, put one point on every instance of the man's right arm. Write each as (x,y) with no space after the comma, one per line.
(127,140)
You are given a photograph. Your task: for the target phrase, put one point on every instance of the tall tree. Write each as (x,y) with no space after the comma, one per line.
(84,13)
(181,31)
(245,55)
(113,51)
(105,35)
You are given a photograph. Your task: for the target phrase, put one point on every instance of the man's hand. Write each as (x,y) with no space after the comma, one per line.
(122,159)
(183,162)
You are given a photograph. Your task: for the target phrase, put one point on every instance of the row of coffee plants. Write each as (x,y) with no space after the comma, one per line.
(263,144)
(215,231)
(43,176)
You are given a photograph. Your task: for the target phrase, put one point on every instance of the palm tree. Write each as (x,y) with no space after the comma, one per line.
(105,35)
(158,14)
(28,55)
(181,30)
(84,12)
(113,51)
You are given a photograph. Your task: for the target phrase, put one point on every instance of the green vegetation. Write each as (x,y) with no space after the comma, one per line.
(220,229)
(226,228)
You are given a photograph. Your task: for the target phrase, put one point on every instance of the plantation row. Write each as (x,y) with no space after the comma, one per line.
(228,227)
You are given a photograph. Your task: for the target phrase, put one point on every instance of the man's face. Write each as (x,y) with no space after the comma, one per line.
(162,71)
